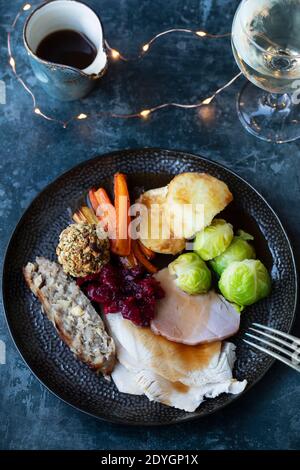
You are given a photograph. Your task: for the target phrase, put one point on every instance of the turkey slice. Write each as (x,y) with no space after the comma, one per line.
(193,319)
(124,380)
(182,396)
(135,375)
(156,388)
(191,365)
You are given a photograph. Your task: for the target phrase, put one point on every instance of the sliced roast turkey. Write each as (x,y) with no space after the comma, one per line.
(193,319)
(174,374)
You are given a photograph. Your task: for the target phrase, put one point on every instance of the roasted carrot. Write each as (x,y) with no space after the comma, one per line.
(78,218)
(142,259)
(105,213)
(146,251)
(102,196)
(93,199)
(106,206)
(89,215)
(122,205)
(85,215)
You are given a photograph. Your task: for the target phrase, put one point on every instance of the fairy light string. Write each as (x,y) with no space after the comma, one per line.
(146,47)
(114,54)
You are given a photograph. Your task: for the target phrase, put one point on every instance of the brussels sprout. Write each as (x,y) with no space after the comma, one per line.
(193,276)
(239,250)
(213,240)
(245,282)
(239,308)
(244,235)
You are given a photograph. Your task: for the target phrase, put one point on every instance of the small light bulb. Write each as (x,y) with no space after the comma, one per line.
(82,116)
(208,100)
(115,54)
(145,47)
(207,114)
(26,7)
(145,113)
(37,111)
(12,63)
(202,34)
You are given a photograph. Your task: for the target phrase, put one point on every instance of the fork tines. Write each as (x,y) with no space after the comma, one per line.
(291,344)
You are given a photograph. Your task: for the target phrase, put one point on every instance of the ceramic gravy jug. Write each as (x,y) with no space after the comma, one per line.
(64,82)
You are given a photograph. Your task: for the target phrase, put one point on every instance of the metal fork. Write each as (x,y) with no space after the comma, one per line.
(291,347)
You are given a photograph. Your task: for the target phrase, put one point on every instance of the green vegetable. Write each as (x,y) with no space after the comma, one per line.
(213,240)
(238,308)
(245,282)
(193,276)
(238,250)
(244,235)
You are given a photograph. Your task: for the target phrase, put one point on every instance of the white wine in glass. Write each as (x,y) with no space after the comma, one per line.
(266,47)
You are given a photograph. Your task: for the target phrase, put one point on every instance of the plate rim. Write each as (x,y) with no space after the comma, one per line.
(116,154)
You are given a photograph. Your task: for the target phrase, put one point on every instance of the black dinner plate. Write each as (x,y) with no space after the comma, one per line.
(37,234)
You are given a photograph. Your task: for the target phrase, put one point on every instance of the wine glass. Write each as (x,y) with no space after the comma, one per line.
(266,47)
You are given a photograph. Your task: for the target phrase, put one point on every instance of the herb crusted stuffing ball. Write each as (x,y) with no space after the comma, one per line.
(81,251)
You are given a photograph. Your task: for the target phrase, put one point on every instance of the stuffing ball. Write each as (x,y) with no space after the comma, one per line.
(82,250)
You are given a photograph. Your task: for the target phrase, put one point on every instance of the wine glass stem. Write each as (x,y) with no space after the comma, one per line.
(277,101)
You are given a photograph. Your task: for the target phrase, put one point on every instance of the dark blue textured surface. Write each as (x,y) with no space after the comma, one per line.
(34,152)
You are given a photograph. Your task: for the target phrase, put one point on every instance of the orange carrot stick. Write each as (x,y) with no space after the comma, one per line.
(89,215)
(105,213)
(146,251)
(142,259)
(122,205)
(93,199)
(77,217)
(102,197)
(85,215)
(106,207)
